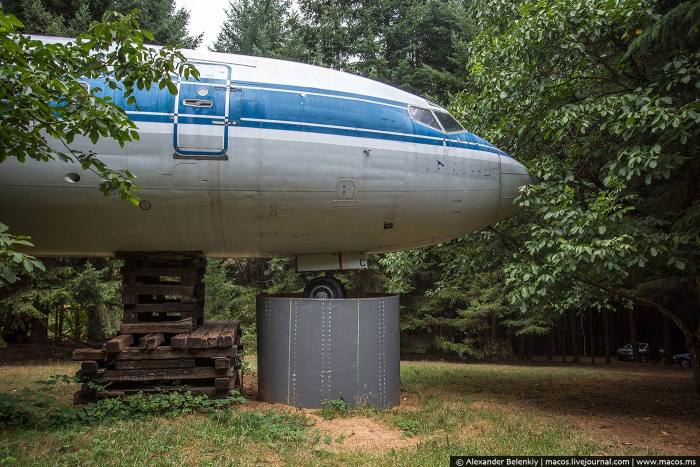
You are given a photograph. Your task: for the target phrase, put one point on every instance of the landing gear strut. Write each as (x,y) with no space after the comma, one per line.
(325,287)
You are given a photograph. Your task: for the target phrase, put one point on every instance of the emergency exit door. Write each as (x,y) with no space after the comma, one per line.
(201,112)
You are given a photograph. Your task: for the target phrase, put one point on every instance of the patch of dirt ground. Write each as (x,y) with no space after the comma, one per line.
(361,434)
(353,433)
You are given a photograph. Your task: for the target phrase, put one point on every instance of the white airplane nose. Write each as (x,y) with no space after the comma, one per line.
(513,176)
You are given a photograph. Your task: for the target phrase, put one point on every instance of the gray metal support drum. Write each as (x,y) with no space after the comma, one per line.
(311,350)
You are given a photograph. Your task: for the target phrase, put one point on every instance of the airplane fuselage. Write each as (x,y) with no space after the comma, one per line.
(262,157)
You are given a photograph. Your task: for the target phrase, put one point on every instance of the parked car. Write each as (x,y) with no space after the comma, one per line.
(626,352)
(683,359)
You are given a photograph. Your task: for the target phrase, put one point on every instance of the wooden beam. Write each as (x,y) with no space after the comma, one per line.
(221,385)
(222,363)
(167,352)
(89,354)
(89,367)
(148,327)
(160,374)
(167,307)
(118,343)
(151,341)
(159,289)
(153,364)
(158,271)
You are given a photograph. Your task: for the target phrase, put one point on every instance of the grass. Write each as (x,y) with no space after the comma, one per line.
(447,409)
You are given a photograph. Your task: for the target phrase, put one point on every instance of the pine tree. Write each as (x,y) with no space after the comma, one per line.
(71,17)
(264,28)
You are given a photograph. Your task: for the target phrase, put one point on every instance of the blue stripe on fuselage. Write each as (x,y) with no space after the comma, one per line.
(283,107)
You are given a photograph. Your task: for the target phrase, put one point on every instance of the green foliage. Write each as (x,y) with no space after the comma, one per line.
(409,426)
(269,425)
(12,262)
(334,408)
(231,289)
(614,143)
(41,96)
(69,18)
(417,45)
(265,28)
(32,409)
(72,297)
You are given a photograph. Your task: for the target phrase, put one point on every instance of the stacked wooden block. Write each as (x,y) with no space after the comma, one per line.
(164,344)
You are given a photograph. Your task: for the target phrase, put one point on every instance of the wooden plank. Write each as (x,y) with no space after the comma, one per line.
(158,271)
(222,363)
(159,289)
(89,354)
(167,307)
(194,340)
(229,333)
(179,341)
(88,368)
(167,352)
(197,390)
(129,299)
(118,343)
(151,341)
(206,336)
(180,326)
(160,374)
(84,396)
(154,364)
(221,385)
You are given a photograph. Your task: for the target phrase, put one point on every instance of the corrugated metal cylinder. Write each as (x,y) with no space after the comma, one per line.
(312,350)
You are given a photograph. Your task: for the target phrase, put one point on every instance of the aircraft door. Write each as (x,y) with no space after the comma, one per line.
(201,112)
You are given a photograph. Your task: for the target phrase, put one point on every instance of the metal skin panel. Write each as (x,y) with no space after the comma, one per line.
(273,342)
(291,134)
(311,351)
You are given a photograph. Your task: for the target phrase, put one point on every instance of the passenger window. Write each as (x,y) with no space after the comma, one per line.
(211,71)
(425,117)
(448,122)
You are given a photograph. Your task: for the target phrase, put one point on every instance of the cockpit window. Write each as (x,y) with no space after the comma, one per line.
(425,117)
(448,122)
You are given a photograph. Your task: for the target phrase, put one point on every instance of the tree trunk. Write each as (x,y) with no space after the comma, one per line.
(590,336)
(606,335)
(76,330)
(550,345)
(633,335)
(668,350)
(694,350)
(521,347)
(652,319)
(562,337)
(575,349)
(95,330)
(494,326)
(625,328)
(59,323)
(39,329)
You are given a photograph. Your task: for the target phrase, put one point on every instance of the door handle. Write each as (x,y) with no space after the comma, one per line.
(198,103)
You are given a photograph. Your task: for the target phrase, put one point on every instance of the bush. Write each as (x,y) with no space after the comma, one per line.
(31,409)
(331,409)
(408,426)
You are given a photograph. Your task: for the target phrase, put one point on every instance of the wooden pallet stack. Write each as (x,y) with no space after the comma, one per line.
(164,344)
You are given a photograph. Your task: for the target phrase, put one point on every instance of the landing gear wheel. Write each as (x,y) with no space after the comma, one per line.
(324,287)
